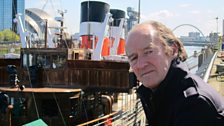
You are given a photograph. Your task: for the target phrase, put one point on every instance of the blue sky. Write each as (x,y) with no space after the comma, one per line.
(200,13)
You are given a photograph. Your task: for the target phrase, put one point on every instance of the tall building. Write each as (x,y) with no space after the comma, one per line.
(133,18)
(8,10)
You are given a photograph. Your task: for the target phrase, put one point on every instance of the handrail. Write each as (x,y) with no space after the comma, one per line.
(117,113)
(209,67)
(98,119)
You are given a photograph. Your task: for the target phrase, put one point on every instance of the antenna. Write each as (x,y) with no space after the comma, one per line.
(217,27)
(139,7)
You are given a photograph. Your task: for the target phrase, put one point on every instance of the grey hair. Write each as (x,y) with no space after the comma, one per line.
(168,37)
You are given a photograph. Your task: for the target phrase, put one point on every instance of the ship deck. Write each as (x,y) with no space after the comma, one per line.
(216,80)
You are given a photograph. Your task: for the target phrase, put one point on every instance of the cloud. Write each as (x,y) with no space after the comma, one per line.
(195,12)
(210,11)
(144,17)
(162,14)
(184,5)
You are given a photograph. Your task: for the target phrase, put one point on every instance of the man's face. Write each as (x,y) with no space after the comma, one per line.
(147,56)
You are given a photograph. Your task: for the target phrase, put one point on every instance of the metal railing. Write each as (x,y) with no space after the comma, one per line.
(129,116)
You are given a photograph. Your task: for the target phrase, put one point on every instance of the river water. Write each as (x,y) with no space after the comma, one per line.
(190,49)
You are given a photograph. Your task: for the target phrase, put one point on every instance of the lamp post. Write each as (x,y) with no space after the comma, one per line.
(217,18)
(139,9)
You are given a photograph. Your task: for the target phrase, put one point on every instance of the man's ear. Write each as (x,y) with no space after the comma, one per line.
(174,49)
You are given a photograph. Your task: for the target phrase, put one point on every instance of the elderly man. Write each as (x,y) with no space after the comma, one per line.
(170,95)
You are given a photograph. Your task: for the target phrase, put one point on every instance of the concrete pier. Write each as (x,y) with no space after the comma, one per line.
(215,79)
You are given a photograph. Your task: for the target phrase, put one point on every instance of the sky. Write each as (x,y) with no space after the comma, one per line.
(173,13)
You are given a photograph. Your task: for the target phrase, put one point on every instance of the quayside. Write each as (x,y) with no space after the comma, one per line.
(56,83)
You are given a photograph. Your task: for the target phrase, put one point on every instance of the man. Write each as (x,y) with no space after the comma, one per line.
(170,95)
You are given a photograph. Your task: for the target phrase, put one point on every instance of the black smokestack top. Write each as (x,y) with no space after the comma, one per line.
(117,15)
(94,11)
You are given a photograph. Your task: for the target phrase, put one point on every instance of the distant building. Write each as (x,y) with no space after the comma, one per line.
(35,21)
(193,37)
(8,10)
(133,18)
(194,34)
(214,37)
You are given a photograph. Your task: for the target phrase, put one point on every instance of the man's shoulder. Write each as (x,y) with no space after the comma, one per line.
(197,91)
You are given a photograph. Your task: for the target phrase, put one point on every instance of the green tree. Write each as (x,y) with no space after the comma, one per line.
(8,35)
(1,36)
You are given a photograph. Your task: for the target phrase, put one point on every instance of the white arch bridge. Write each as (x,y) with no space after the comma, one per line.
(194,43)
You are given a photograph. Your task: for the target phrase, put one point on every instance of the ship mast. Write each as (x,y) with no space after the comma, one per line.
(62,23)
(61,28)
(45,37)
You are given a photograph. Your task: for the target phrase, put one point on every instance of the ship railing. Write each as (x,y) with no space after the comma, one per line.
(209,68)
(130,116)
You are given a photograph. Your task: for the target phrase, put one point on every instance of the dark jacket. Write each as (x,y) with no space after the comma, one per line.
(182,99)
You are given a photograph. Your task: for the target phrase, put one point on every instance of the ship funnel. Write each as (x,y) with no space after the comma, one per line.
(94,11)
(117,15)
(94,21)
(117,32)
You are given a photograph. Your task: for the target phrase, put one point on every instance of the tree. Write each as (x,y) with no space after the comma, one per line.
(1,36)
(8,35)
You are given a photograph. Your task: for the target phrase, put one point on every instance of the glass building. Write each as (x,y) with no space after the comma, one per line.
(8,10)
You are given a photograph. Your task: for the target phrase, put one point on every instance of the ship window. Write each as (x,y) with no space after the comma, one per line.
(28,60)
(24,60)
(76,55)
(59,61)
(44,61)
